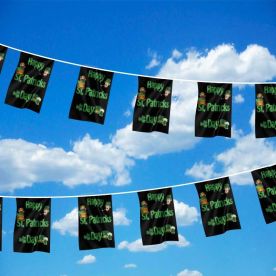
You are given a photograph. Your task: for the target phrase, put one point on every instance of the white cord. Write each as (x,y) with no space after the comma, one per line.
(132,74)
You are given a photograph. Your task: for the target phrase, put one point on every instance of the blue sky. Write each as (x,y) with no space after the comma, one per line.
(48,154)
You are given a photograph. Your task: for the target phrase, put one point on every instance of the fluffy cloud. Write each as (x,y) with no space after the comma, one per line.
(247,153)
(185,215)
(130,266)
(69,223)
(88,259)
(155,60)
(137,245)
(23,163)
(187,272)
(238,99)
(223,63)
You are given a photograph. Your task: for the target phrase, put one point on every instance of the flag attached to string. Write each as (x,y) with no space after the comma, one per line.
(32,225)
(96,228)
(157,216)
(213,113)
(265,183)
(91,95)
(29,82)
(265,110)
(3,51)
(217,205)
(1,210)
(152,107)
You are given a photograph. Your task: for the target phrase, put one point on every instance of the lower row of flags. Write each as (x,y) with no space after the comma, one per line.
(153,101)
(157,214)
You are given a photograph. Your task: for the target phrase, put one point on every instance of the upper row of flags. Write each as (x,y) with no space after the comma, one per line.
(153,101)
(157,214)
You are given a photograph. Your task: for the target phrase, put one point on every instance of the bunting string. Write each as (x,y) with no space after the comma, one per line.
(142,190)
(134,74)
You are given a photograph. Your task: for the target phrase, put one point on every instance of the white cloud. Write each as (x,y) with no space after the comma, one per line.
(187,272)
(69,223)
(137,245)
(185,215)
(119,216)
(247,153)
(176,54)
(23,163)
(155,60)
(238,99)
(88,259)
(223,63)
(130,266)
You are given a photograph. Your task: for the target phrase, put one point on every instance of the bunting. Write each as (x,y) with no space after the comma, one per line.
(96,228)
(32,225)
(91,95)
(217,206)
(29,82)
(265,183)
(157,216)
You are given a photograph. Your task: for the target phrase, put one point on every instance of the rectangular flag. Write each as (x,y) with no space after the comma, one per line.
(3,51)
(157,216)
(217,205)
(265,110)
(96,228)
(91,95)
(32,225)
(153,104)
(1,210)
(29,82)
(265,182)
(214,107)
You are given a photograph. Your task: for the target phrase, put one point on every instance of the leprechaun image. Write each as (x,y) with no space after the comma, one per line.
(142,93)
(46,211)
(82,212)
(46,72)
(2,55)
(260,100)
(259,186)
(21,68)
(81,82)
(227,95)
(107,206)
(168,199)
(20,214)
(203,199)
(144,207)
(167,91)
(107,83)
(226,188)
(202,98)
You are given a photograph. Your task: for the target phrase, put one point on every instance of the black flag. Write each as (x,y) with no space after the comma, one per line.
(29,82)
(96,228)
(3,51)
(157,216)
(213,113)
(265,182)
(91,95)
(265,114)
(152,107)
(32,225)
(217,205)
(1,208)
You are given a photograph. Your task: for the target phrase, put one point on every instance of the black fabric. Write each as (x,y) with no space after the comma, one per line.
(265,183)
(152,107)
(214,107)
(96,228)
(32,225)
(29,82)
(91,95)
(265,111)
(217,205)
(3,52)
(157,216)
